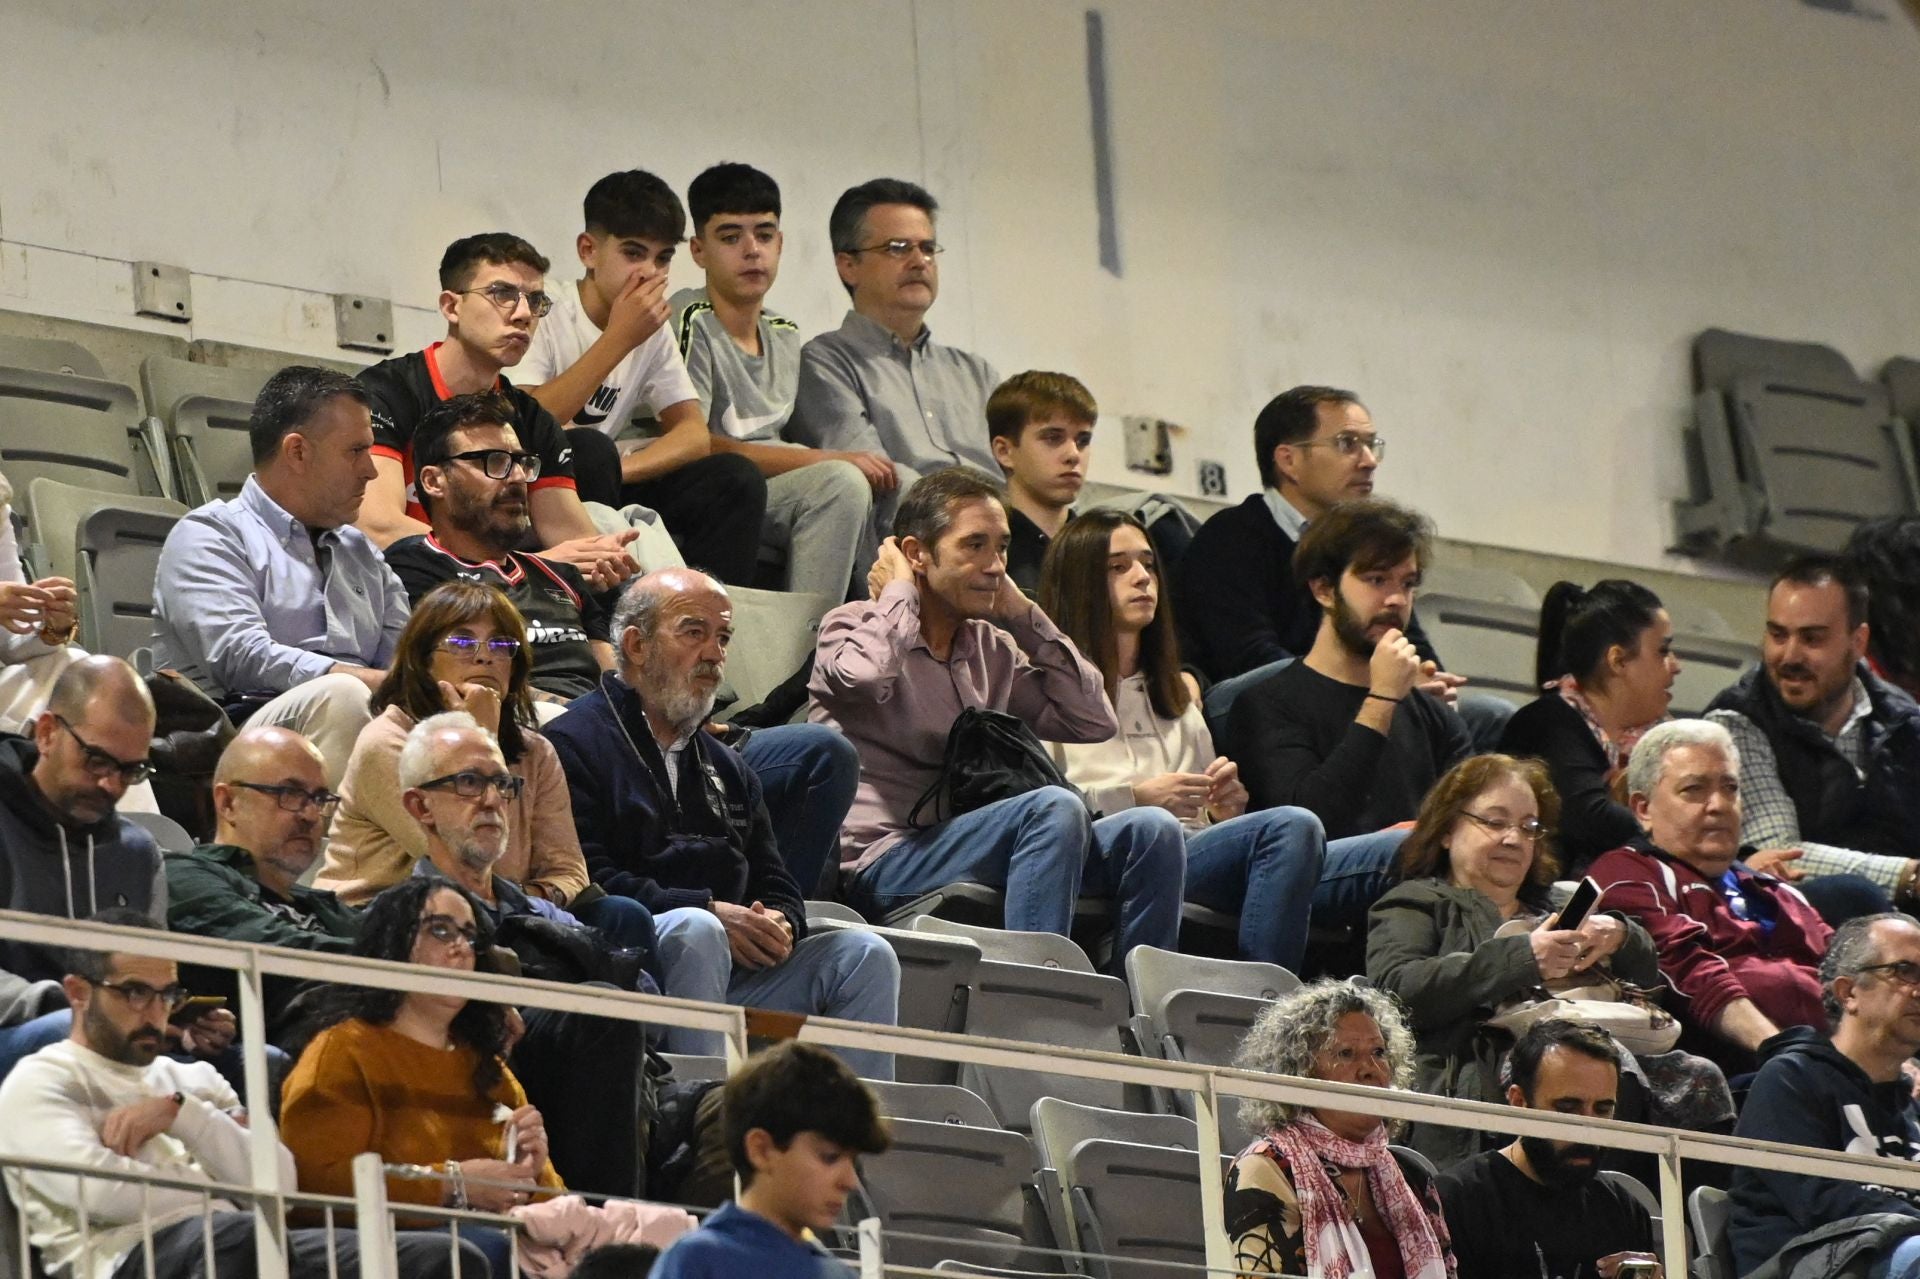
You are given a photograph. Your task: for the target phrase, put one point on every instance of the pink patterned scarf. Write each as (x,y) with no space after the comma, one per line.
(1616,746)
(1334,1246)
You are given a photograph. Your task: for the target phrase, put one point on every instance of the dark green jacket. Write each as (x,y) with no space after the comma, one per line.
(1431,945)
(212,892)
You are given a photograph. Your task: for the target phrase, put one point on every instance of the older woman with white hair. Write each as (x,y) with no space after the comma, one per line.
(1741,950)
(1319,1192)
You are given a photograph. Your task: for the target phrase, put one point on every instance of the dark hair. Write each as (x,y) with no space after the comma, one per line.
(409,683)
(1026,398)
(1557,1032)
(1074,593)
(432,439)
(1885,554)
(92,966)
(793,1088)
(388,928)
(634,203)
(465,256)
(1850,949)
(289,401)
(731,188)
(1366,535)
(1818,570)
(1423,855)
(848,221)
(1578,628)
(927,510)
(617,1261)
(1291,416)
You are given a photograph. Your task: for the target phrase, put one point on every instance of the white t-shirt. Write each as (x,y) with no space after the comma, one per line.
(651,378)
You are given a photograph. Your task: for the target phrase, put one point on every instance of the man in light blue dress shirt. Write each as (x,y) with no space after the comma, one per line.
(274,596)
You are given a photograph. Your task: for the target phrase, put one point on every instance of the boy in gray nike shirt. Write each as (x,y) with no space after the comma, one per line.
(745,364)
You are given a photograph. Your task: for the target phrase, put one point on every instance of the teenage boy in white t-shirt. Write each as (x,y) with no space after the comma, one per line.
(745,364)
(604,359)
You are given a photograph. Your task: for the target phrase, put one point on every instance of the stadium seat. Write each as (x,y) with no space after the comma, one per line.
(1186,1008)
(1465,581)
(935,975)
(1638,1192)
(169,834)
(205,411)
(968,1189)
(952,1267)
(1128,1184)
(1902,378)
(109,544)
(1708,1211)
(1046,950)
(933,1103)
(1491,642)
(773,633)
(61,420)
(823,912)
(696,1066)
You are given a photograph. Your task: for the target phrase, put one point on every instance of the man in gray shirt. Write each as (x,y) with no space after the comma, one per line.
(745,362)
(880,381)
(275,597)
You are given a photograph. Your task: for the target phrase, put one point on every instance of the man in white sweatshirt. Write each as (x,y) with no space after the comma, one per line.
(106,1099)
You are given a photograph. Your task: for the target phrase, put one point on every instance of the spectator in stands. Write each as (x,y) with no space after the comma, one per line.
(796,1120)
(1535,1206)
(1318,1191)
(33,1014)
(1829,752)
(1102,585)
(1347,732)
(745,363)
(1606,661)
(109,1099)
(672,818)
(607,358)
(880,383)
(492,298)
(38,622)
(1846,1091)
(1481,858)
(947,629)
(1740,949)
(64,849)
(1040,426)
(420,1079)
(1885,555)
(472,480)
(272,602)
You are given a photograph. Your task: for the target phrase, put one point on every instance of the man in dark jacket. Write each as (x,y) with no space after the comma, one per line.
(1845,1093)
(671,817)
(63,849)
(1829,752)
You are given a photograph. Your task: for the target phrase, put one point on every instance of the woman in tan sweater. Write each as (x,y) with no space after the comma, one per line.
(464,648)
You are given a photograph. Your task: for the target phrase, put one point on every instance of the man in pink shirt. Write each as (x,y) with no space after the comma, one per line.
(947,629)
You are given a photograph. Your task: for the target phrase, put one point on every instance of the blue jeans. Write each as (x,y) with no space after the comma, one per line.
(30,1037)
(1902,1263)
(1264,868)
(845,973)
(808,773)
(629,926)
(1356,871)
(1044,851)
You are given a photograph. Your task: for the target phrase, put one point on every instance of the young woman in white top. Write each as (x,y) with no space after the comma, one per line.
(1101,585)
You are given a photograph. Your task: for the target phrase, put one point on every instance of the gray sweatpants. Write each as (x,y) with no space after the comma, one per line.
(822,517)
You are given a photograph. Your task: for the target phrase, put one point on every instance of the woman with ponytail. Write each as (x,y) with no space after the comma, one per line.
(1606,668)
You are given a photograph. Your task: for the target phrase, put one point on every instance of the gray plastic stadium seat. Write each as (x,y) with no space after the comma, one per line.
(696,1066)
(1707,666)
(1638,1192)
(1061,1127)
(1490,642)
(169,834)
(109,544)
(205,409)
(1708,1211)
(59,420)
(773,632)
(819,912)
(968,1187)
(952,1267)
(1902,378)
(933,1103)
(1495,585)
(1046,950)
(935,973)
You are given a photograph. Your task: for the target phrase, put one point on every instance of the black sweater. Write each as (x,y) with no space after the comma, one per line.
(1591,823)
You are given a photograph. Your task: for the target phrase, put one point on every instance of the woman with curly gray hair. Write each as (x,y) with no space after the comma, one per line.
(1318,1192)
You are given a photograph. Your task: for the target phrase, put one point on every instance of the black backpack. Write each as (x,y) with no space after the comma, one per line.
(990,756)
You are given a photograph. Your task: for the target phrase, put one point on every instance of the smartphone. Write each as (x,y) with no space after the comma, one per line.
(1637,1270)
(1574,913)
(196,1005)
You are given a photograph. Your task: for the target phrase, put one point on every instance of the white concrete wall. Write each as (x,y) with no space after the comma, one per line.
(1499,220)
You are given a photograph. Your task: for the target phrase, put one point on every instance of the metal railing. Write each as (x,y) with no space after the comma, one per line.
(1209,1086)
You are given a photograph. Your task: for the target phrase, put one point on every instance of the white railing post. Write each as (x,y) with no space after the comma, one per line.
(873,1257)
(1213,1190)
(269,1218)
(1673,1211)
(372,1222)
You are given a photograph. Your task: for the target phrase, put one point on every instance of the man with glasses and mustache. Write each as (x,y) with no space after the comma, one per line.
(492,295)
(880,383)
(1534,1208)
(1848,1091)
(107,1097)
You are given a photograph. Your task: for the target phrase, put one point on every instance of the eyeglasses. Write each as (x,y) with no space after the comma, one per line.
(446,930)
(294,799)
(468,647)
(472,785)
(100,765)
(507,298)
(1904,971)
(498,464)
(1530,829)
(900,250)
(140,996)
(1347,443)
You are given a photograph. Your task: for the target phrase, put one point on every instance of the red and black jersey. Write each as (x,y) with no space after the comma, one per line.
(405,387)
